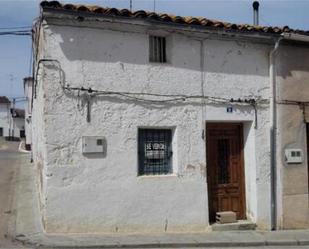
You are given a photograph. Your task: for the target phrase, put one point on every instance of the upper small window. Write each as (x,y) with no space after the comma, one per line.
(154,151)
(157,49)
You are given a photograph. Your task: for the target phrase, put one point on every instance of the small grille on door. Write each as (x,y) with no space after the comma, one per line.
(223,161)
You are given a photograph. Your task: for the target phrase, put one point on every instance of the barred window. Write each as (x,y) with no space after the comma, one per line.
(157,49)
(154,151)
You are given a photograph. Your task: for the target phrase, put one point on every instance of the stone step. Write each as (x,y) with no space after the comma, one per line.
(237,226)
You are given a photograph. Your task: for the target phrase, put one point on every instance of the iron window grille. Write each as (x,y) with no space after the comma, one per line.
(154,151)
(157,49)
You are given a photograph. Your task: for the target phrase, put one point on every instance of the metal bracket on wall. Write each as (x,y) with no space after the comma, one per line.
(302,106)
(255,115)
(88,103)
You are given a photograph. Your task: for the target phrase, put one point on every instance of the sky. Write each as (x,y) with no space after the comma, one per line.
(15,51)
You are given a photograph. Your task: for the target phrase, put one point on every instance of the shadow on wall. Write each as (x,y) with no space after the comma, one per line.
(293,59)
(293,71)
(226,57)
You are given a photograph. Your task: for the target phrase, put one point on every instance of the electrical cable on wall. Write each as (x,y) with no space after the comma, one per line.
(302,105)
(154,98)
(169,97)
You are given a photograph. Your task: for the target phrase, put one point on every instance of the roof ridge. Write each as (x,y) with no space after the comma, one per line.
(169,18)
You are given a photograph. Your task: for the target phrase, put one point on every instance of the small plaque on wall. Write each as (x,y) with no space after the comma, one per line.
(229,109)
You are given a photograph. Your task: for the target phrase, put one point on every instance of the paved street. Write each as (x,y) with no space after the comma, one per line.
(257,247)
(9,166)
(8,157)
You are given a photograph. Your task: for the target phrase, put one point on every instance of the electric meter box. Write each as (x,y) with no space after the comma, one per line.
(293,156)
(93,144)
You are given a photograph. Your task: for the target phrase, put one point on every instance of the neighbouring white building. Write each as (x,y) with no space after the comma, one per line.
(145,122)
(17,123)
(28,82)
(11,120)
(4,116)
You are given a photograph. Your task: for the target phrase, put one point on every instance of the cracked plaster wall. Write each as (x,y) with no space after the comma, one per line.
(104,194)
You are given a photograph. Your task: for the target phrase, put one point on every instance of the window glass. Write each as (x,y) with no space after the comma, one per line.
(154,151)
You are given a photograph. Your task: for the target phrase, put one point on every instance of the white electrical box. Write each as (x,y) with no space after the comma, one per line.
(293,156)
(93,144)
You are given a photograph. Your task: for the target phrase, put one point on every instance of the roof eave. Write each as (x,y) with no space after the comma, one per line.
(81,17)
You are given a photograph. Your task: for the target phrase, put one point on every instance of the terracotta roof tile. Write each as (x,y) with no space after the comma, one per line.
(141,14)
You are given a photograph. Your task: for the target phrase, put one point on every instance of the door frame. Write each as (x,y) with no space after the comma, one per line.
(242,164)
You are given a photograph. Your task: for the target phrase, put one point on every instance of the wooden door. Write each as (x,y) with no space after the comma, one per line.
(225,170)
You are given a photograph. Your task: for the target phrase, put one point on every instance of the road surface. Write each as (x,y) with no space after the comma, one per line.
(9,165)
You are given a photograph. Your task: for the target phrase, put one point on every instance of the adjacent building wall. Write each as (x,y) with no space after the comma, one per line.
(28,82)
(82,193)
(293,85)
(18,124)
(38,124)
(5,118)
(11,126)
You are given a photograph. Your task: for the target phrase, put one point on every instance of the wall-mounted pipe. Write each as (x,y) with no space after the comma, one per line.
(273,135)
(255,6)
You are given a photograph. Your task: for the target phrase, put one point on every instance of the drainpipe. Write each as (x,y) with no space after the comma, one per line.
(273,137)
(255,6)
(273,130)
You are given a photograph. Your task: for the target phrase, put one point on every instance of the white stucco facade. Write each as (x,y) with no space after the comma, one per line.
(85,194)
(28,82)
(18,126)
(11,126)
(5,118)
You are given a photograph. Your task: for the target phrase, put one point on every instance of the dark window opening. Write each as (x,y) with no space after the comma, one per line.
(22,133)
(154,151)
(157,49)
(99,142)
(1,132)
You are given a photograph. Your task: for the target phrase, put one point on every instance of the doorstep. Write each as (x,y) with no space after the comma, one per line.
(240,225)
